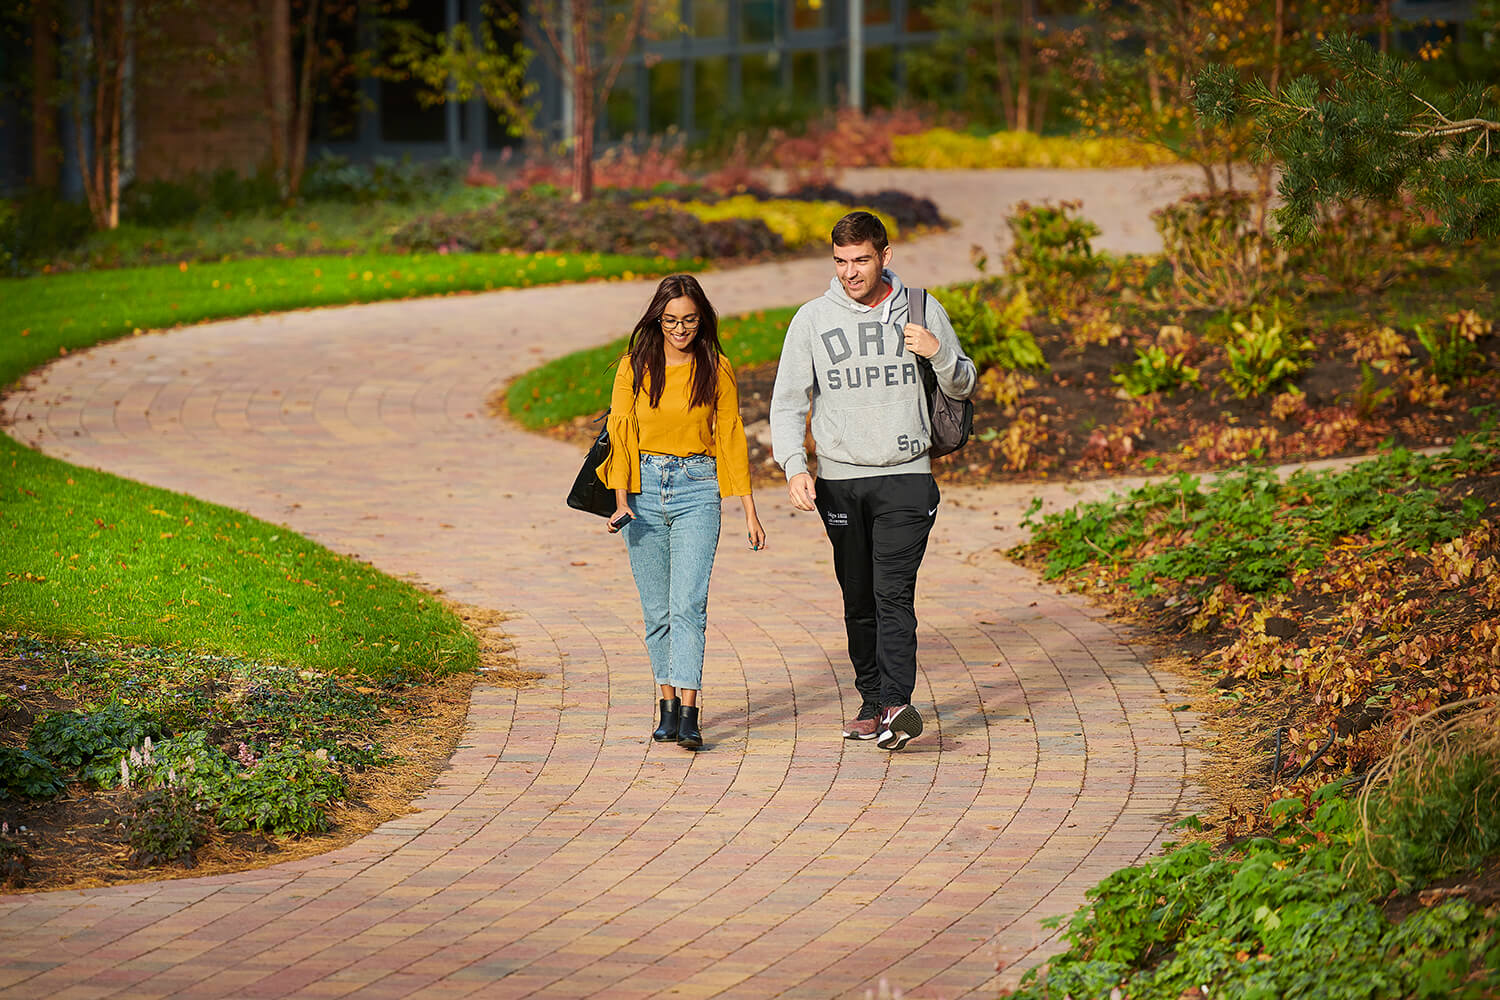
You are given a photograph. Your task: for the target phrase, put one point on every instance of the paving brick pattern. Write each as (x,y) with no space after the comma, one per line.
(562,853)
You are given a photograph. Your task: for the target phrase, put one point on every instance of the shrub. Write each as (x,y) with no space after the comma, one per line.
(38,227)
(28,775)
(187,761)
(1453,353)
(1251,531)
(798,223)
(1218,259)
(1358,247)
(160,202)
(1433,805)
(1155,370)
(841,139)
(334,178)
(661,162)
(945,149)
(165,825)
(995,337)
(15,860)
(74,739)
(1050,250)
(1269,917)
(1262,357)
(288,791)
(543,224)
(909,210)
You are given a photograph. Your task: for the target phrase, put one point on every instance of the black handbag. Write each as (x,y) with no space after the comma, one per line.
(589,492)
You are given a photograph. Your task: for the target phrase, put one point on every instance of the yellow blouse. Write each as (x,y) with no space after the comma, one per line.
(674,428)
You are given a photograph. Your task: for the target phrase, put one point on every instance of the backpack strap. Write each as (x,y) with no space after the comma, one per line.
(916,306)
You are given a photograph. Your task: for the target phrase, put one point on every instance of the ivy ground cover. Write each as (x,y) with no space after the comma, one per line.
(1341,631)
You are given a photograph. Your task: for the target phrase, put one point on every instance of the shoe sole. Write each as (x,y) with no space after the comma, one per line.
(905,727)
(690,744)
(860,736)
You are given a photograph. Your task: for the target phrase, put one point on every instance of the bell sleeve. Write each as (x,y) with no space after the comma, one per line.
(622,469)
(730,448)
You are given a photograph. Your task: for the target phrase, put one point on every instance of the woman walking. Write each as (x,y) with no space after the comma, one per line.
(677,446)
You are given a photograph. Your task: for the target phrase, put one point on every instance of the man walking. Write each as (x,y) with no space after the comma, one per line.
(849,358)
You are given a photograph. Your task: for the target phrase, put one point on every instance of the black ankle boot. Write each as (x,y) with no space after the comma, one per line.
(687,729)
(670,713)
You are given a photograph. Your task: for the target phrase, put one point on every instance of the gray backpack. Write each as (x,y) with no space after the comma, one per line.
(952,420)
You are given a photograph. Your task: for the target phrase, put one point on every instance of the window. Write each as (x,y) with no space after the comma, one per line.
(710,18)
(403,118)
(918,16)
(880,77)
(809,14)
(806,77)
(620,112)
(666,96)
(710,92)
(757,21)
(760,79)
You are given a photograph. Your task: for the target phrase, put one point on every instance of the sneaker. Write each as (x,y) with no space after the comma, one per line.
(866,724)
(899,724)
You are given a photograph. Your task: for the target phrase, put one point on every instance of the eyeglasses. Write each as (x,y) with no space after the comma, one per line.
(686,323)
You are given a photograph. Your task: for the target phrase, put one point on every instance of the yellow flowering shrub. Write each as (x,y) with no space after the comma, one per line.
(945,149)
(799,223)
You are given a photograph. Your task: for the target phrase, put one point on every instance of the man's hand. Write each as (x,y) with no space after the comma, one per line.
(800,489)
(920,340)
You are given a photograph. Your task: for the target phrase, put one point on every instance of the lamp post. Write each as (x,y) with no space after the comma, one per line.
(857,54)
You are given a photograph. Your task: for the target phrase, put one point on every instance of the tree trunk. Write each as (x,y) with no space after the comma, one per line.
(1023,75)
(583,101)
(275,50)
(1002,66)
(302,122)
(116,116)
(45,159)
(1039,111)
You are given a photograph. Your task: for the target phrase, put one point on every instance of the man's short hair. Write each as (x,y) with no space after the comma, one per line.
(861,227)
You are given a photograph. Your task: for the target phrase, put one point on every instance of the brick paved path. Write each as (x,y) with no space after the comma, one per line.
(563,854)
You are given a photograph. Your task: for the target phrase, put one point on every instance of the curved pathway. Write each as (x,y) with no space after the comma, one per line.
(562,854)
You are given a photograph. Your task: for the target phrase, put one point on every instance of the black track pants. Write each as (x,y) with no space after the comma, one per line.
(879,528)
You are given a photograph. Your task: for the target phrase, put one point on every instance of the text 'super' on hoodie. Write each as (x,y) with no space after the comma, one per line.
(849,364)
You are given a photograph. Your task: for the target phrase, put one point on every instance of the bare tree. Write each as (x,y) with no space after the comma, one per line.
(101,56)
(288,86)
(587,45)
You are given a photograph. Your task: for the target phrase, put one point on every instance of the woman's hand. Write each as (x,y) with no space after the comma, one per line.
(755,531)
(615,523)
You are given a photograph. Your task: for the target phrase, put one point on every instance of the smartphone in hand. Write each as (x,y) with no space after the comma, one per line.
(621,521)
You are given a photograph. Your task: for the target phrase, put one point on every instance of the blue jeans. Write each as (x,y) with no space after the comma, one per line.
(672,542)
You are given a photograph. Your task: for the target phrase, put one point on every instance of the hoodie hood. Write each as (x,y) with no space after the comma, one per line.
(837,294)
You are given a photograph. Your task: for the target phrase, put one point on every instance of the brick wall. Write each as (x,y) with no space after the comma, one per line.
(200,102)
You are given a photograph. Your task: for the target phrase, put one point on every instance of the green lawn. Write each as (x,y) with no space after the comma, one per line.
(91,555)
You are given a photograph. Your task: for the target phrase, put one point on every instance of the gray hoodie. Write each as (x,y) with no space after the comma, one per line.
(848,362)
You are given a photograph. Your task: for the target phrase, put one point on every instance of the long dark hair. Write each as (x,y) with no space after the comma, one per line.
(648,358)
